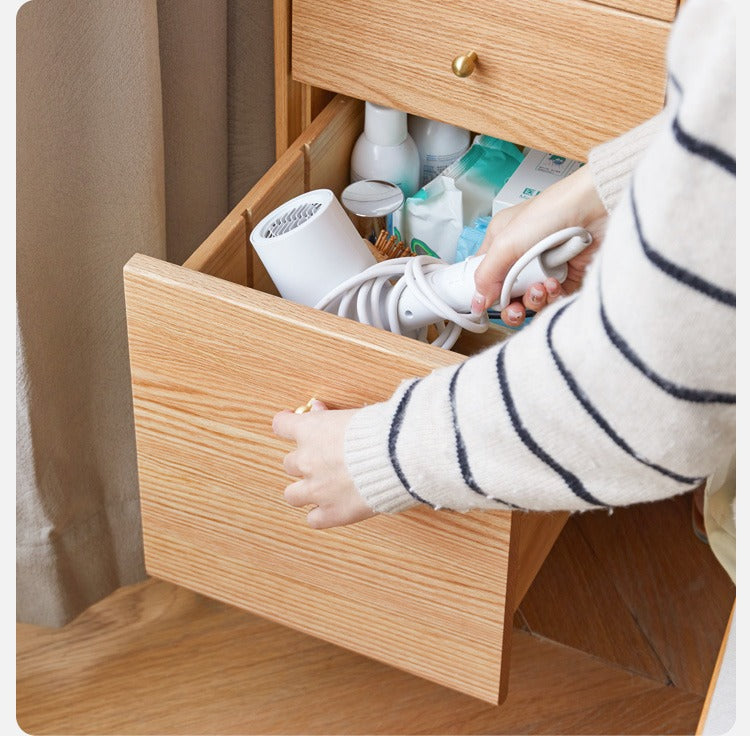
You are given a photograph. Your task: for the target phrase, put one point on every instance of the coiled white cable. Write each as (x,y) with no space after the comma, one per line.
(373,297)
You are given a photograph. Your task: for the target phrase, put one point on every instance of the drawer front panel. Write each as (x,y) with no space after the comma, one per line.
(211,363)
(558,75)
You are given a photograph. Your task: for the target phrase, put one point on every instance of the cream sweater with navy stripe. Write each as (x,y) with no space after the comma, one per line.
(624,392)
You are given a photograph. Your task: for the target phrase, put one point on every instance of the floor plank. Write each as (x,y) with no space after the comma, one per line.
(617,635)
(154,658)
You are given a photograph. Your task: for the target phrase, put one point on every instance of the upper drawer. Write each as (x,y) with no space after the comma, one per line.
(557,75)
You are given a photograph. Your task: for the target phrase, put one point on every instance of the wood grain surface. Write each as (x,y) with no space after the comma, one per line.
(296,105)
(557,75)
(291,97)
(720,668)
(662,9)
(224,253)
(157,659)
(577,580)
(683,603)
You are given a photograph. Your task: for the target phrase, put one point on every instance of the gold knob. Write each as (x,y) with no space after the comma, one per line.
(464,65)
(305,407)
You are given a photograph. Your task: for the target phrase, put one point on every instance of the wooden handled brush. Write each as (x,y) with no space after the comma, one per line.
(387,247)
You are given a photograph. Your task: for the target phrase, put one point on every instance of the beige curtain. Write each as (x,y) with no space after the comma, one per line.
(140,123)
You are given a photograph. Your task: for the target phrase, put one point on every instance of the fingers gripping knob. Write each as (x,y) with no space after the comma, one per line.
(312,405)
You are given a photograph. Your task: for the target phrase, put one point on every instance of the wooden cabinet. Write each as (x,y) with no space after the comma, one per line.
(215,353)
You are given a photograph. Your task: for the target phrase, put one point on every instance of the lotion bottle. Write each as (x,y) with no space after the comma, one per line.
(439,145)
(385,150)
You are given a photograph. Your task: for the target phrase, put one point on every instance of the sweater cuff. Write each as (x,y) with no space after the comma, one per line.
(367,458)
(612,163)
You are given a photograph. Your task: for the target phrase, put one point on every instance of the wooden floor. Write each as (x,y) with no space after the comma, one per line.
(618,635)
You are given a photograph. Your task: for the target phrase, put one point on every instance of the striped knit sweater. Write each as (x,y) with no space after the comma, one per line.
(625,391)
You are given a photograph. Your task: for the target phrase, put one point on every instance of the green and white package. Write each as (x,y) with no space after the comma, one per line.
(432,220)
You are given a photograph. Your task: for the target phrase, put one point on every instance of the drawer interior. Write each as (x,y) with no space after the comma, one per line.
(211,362)
(318,159)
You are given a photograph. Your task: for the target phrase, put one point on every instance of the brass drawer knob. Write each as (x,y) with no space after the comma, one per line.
(305,407)
(464,65)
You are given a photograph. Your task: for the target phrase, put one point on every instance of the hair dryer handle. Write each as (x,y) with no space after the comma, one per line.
(454,284)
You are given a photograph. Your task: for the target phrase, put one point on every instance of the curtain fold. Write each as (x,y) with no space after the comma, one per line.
(193,56)
(252,137)
(123,145)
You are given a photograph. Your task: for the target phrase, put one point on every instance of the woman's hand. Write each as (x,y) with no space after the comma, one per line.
(318,461)
(570,202)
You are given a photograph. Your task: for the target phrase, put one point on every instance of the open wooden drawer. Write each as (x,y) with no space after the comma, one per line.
(212,361)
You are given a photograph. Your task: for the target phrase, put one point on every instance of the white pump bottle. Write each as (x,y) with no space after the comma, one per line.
(385,150)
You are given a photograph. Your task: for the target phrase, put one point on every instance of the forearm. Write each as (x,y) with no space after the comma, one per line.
(579,428)
(622,394)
